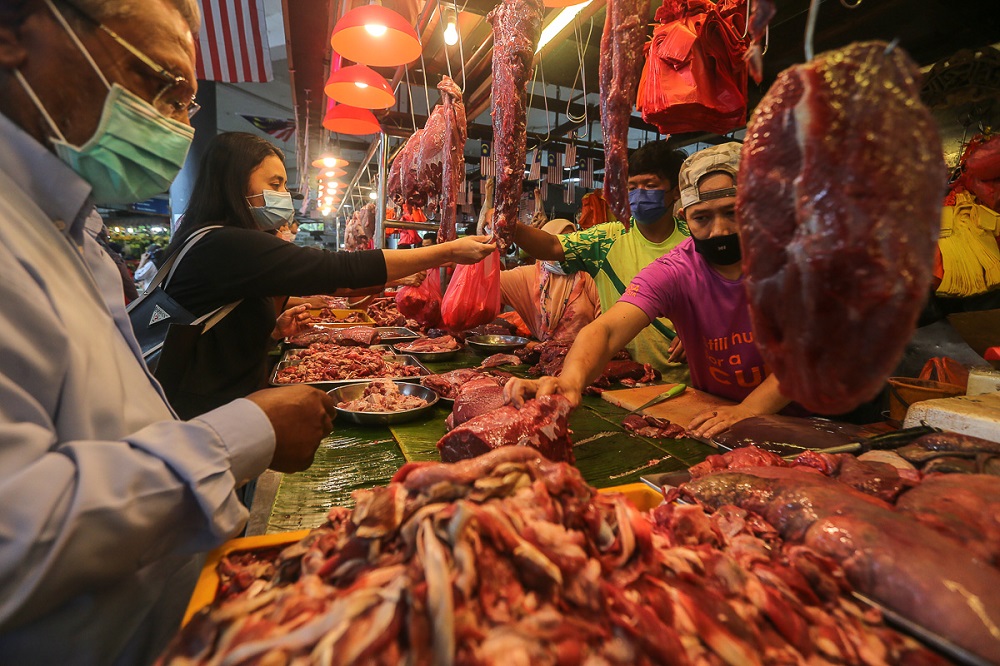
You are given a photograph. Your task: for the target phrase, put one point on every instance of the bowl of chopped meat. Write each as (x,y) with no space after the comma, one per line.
(487,345)
(431,350)
(382,402)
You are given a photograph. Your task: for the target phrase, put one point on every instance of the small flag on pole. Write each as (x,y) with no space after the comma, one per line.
(487,167)
(232,43)
(282,130)
(570,156)
(544,187)
(586,172)
(535,172)
(553,173)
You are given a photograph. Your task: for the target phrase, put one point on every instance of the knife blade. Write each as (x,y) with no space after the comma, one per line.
(669,393)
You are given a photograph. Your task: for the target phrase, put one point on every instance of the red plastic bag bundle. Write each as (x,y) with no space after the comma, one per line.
(422,303)
(695,78)
(981,170)
(473,295)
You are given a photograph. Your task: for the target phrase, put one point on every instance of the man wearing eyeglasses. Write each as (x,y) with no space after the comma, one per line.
(105,497)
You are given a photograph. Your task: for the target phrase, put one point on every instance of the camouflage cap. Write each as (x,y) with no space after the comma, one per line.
(724,158)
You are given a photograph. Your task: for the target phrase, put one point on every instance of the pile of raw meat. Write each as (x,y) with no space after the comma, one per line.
(478,395)
(321,362)
(382,396)
(839,207)
(449,384)
(428,345)
(432,163)
(924,546)
(512,559)
(651,426)
(383,312)
(548,358)
(361,336)
(327,315)
(359,232)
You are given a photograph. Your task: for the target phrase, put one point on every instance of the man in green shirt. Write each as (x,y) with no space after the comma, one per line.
(613,256)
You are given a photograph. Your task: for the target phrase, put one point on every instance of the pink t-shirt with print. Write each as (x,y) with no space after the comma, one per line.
(712,318)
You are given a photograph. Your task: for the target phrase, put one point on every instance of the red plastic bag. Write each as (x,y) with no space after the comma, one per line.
(473,295)
(422,303)
(695,78)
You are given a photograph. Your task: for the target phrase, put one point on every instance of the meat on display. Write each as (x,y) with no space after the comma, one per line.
(839,206)
(620,68)
(517,25)
(456,132)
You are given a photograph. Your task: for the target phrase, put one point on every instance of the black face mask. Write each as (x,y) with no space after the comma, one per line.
(720,250)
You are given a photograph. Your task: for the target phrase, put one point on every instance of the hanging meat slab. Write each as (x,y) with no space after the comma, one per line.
(620,69)
(517,25)
(456,132)
(839,204)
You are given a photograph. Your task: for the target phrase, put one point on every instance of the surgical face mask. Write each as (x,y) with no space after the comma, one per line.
(647,205)
(276,211)
(135,152)
(719,250)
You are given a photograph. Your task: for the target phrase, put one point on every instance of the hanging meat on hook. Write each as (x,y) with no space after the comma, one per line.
(620,69)
(432,163)
(517,25)
(761,13)
(839,206)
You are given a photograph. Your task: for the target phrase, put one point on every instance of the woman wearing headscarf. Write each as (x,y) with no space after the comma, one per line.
(554,306)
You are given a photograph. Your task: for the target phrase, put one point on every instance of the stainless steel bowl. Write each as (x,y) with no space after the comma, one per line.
(428,357)
(355,391)
(495,344)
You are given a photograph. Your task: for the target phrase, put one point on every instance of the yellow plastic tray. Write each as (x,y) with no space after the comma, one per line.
(644,498)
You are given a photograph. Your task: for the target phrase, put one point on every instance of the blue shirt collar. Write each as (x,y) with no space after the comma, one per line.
(61,194)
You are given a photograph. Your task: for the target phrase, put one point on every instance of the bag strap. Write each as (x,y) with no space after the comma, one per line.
(657,325)
(166,271)
(206,320)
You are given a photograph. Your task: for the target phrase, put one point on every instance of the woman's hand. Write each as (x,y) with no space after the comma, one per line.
(471,249)
(712,422)
(414,280)
(292,322)
(516,390)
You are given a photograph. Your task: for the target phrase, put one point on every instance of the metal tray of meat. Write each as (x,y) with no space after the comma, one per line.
(488,345)
(355,391)
(405,359)
(396,334)
(359,317)
(429,357)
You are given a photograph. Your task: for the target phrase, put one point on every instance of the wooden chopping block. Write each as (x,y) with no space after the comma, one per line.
(680,409)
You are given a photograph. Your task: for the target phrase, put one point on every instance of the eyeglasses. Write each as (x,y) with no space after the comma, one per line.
(171,100)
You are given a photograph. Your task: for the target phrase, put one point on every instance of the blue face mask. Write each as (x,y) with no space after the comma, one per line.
(276,211)
(135,152)
(647,205)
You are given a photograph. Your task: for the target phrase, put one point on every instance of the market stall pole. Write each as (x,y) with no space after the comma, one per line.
(383,158)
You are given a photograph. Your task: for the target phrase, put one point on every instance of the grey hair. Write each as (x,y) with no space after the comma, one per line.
(105,9)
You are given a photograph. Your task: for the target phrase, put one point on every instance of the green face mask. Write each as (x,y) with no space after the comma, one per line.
(135,152)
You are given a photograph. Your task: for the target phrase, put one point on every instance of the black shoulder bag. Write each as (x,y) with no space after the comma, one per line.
(167,333)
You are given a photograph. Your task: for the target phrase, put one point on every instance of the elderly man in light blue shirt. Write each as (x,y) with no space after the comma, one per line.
(105,497)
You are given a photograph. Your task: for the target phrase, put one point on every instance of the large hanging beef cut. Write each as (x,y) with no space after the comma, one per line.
(839,204)
(517,25)
(456,132)
(620,69)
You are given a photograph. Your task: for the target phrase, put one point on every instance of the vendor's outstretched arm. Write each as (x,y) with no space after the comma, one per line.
(539,244)
(587,358)
(765,399)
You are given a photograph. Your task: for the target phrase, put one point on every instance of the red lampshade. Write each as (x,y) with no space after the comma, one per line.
(361,86)
(375,35)
(332,173)
(343,119)
(329,162)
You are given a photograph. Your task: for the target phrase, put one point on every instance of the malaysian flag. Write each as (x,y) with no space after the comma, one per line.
(570,156)
(232,45)
(586,172)
(487,166)
(544,187)
(282,130)
(553,173)
(535,173)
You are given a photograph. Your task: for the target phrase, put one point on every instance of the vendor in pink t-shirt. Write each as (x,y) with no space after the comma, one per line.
(699,287)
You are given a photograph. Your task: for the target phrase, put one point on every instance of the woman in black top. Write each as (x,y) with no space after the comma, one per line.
(240,172)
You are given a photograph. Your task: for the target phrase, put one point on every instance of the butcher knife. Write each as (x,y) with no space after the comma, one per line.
(884,442)
(669,393)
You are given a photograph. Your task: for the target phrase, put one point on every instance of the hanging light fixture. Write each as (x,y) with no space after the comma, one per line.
(377,36)
(329,162)
(361,86)
(561,20)
(344,119)
(333,173)
(451,26)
